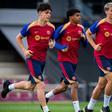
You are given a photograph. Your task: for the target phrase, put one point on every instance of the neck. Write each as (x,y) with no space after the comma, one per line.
(109,20)
(72,22)
(41,22)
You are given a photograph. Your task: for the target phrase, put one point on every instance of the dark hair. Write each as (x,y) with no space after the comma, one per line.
(43,7)
(71,12)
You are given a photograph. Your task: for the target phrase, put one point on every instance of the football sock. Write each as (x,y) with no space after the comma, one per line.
(49,94)
(45,109)
(76,106)
(11,87)
(106,100)
(91,104)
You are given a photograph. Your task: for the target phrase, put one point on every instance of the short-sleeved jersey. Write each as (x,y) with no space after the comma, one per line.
(37,39)
(103,31)
(69,35)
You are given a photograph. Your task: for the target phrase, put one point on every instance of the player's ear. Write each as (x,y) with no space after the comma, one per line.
(105,12)
(72,17)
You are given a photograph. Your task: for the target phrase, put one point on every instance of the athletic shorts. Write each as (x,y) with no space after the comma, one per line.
(36,69)
(68,71)
(104,65)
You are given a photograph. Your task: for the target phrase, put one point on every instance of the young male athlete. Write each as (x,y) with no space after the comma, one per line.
(38,33)
(102,45)
(69,34)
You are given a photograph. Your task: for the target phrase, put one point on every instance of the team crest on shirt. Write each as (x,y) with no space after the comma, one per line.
(68,38)
(107,34)
(36,32)
(79,32)
(48,32)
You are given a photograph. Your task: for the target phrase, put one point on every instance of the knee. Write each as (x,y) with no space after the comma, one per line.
(75,85)
(61,87)
(28,86)
(41,85)
(64,88)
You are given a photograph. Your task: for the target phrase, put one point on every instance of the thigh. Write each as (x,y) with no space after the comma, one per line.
(109,77)
(102,82)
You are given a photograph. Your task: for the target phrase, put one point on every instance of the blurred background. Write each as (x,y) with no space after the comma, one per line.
(14,14)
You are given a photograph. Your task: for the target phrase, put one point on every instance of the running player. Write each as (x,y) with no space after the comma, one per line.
(38,33)
(102,45)
(69,34)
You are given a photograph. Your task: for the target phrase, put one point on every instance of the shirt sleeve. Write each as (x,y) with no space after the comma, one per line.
(94,27)
(60,46)
(24,30)
(58,32)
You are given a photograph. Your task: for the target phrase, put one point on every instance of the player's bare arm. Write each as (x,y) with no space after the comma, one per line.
(83,36)
(97,47)
(27,53)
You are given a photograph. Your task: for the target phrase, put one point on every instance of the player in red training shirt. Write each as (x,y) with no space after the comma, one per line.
(102,45)
(69,34)
(38,34)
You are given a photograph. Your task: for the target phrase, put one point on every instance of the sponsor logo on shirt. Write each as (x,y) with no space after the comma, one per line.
(37,37)
(68,38)
(107,34)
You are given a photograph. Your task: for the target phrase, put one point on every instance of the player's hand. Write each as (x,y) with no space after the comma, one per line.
(65,50)
(51,43)
(28,53)
(97,47)
(83,36)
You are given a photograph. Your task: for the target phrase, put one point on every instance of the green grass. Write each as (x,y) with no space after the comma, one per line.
(34,107)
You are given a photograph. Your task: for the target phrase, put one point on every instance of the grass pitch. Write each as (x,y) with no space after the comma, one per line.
(62,106)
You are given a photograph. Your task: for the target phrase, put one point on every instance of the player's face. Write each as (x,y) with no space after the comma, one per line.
(45,15)
(76,18)
(109,13)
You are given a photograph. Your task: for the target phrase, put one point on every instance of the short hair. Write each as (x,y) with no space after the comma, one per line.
(107,6)
(43,7)
(71,12)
